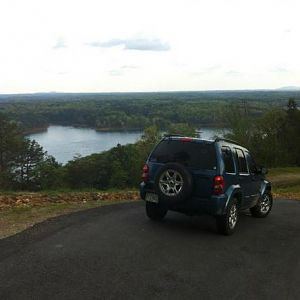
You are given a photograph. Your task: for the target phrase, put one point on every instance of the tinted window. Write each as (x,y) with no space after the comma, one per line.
(228,160)
(251,162)
(242,164)
(191,154)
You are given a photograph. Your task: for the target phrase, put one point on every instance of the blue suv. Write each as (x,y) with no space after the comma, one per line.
(195,176)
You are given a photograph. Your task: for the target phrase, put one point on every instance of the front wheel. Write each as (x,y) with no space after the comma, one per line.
(155,212)
(227,223)
(263,207)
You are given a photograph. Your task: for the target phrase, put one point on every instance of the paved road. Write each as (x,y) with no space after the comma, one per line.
(115,252)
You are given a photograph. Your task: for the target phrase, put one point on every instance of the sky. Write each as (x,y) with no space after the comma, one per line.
(143,45)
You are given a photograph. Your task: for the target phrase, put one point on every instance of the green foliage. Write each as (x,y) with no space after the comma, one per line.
(10,146)
(151,135)
(238,119)
(292,129)
(272,135)
(49,174)
(29,157)
(10,142)
(90,171)
(22,161)
(273,138)
(134,110)
(182,129)
(119,176)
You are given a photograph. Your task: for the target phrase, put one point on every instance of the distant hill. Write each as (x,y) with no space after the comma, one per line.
(281,95)
(289,88)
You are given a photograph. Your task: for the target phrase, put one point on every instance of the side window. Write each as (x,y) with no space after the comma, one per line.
(228,160)
(251,162)
(242,164)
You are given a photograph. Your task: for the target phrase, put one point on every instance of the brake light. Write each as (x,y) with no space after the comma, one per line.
(145,175)
(219,185)
(186,139)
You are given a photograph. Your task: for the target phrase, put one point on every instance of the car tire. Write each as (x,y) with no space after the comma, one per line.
(155,212)
(263,207)
(226,224)
(173,183)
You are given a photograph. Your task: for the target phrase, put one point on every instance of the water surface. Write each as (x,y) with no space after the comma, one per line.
(65,142)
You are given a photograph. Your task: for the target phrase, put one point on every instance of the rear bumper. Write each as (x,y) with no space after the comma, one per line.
(145,189)
(215,205)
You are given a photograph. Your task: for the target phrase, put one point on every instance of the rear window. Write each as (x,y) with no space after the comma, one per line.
(191,154)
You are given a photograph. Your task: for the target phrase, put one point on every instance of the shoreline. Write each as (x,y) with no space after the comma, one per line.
(35,130)
(110,129)
(105,129)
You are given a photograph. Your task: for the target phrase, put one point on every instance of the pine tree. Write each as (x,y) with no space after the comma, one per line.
(10,145)
(29,158)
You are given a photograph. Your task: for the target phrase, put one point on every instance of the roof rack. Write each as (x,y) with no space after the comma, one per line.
(226,140)
(170,135)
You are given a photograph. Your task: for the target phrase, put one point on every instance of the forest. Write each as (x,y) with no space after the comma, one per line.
(270,132)
(117,111)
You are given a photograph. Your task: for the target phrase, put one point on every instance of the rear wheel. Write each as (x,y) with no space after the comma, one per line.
(263,207)
(226,224)
(155,212)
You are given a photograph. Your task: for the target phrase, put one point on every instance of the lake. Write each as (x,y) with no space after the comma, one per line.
(65,142)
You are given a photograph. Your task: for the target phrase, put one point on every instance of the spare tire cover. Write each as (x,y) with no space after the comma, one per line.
(173,183)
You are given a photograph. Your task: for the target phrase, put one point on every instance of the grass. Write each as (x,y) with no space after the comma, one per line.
(285,182)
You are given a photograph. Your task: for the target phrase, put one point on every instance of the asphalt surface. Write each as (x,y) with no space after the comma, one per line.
(115,252)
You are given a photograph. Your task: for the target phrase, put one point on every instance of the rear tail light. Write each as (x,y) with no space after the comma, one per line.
(219,185)
(186,139)
(145,175)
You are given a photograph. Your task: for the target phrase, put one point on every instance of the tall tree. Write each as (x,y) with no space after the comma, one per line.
(10,142)
(237,119)
(10,145)
(49,174)
(27,161)
(292,130)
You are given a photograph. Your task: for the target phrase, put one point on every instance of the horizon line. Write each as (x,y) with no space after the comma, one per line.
(281,89)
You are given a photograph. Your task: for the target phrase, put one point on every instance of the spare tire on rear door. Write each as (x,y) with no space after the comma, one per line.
(173,183)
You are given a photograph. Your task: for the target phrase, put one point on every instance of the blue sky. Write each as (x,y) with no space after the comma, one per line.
(138,45)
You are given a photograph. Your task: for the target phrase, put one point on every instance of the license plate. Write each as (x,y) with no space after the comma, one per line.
(150,197)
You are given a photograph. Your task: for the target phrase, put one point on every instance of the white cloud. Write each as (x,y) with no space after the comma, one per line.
(143,44)
(60,43)
(233,73)
(279,70)
(146,45)
(116,72)
(107,44)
